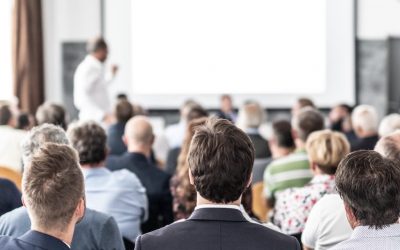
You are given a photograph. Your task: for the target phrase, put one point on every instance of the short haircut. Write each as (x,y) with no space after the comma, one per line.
(282,133)
(305,102)
(45,133)
(251,115)
(196,112)
(53,186)
(5,114)
(389,124)
(326,149)
(221,158)
(306,121)
(226,96)
(96,44)
(370,185)
(389,146)
(365,117)
(123,111)
(89,139)
(24,121)
(51,113)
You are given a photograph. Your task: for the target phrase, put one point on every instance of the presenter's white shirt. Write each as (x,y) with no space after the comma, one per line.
(90,90)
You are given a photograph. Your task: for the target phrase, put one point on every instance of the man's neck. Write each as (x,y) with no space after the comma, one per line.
(203,201)
(96,165)
(300,145)
(367,134)
(281,152)
(144,150)
(65,236)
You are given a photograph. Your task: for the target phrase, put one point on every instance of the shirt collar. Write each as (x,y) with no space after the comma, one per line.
(218,206)
(368,232)
(94,60)
(95,171)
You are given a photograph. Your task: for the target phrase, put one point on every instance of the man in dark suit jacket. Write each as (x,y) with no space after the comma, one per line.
(53,192)
(10,197)
(220,160)
(139,139)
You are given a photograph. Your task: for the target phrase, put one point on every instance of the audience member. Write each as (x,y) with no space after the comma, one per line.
(54,194)
(293,170)
(53,114)
(251,116)
(25,121)
(10,197)
(91,83)
(326,225)
(325,150)
(369,185)
(389,146)
(365,124)
(281,144)
(173,154)
(95,231)
(302,103)
(220,159)
(184,194)
(175,133)
(389,124)
(340,120)
(139,137)
(120,193)
(226,110)
(123,111)
(10,138)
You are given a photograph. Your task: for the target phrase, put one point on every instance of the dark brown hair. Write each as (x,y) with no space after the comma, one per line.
(53,185)
(5,114)
(221,158)
(282,132)
(123,111)
(89,139)
(370,185)
(307,121)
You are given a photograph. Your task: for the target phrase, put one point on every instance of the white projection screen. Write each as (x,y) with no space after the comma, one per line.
(271,51)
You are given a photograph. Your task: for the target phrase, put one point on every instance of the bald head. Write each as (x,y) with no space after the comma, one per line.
(139,133)
(389,146)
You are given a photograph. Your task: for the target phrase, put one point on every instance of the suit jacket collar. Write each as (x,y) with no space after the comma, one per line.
(42,240)
(218,214)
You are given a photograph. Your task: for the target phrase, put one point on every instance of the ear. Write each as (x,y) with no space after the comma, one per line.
(153,137)
(250,181)
(80,210)
(350,216)
(191,179)
(23,201)
(313,166)
(294,134)
(125,140)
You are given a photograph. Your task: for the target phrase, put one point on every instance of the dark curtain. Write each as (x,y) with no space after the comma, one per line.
(28,54)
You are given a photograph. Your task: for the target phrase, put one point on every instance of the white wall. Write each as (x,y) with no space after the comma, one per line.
(378,19)
(65,20)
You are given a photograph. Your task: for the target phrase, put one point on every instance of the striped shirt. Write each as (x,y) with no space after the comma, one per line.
(287,172)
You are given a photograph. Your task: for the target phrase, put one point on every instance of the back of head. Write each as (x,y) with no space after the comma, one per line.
(6,115)
(389,124)
(302,103)
(187,106)
(51,113)
(221,158)
(52,186)
(138,131)
(306,121)
(45,133)
(389,146)
(251,115)
(369,185)
(95,44)
(89,139)
(196,112)
(326,149)
(282,134)
(365,118)
(123,111)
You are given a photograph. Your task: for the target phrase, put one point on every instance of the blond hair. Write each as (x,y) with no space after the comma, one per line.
(326,149)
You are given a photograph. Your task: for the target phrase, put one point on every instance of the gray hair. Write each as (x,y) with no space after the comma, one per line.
(40,135)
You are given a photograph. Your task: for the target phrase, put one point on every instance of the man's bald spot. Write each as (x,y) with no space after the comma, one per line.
(389,146)
(138,130)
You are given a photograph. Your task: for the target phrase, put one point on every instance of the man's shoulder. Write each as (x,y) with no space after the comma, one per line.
(10,243)
(294,160)
(15,222)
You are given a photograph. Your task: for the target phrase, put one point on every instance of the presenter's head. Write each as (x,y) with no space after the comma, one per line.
(98,48)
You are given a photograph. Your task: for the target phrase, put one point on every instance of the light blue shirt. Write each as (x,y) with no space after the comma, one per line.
(365,238)
(119,194)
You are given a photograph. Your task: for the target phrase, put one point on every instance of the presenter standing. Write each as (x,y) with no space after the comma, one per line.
(91,83)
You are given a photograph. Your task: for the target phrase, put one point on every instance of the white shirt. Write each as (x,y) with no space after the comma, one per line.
(327,224)
(90,90)
(10,147)
(366,238)
(175,134)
